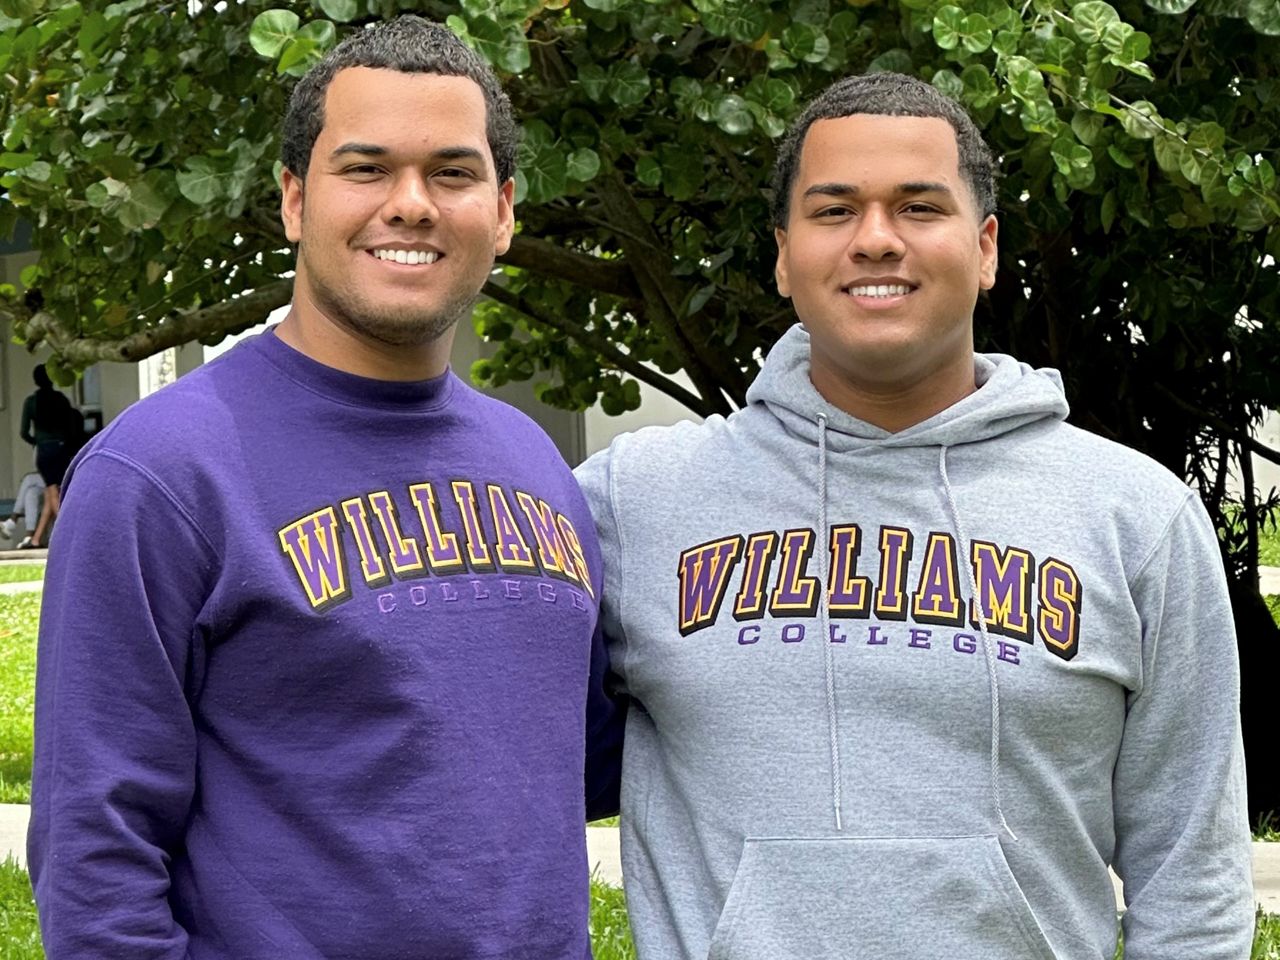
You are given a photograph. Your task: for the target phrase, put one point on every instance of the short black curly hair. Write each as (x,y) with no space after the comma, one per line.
(892,95)
(408,44)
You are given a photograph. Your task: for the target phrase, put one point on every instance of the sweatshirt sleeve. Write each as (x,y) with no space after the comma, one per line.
(1182,833)
(604,748)
(596,477)
(115,750)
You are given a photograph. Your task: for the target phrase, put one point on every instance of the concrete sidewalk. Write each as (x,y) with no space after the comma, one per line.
(602,854)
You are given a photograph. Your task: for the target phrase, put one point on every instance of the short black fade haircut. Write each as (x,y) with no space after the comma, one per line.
(889,95)
(408,44)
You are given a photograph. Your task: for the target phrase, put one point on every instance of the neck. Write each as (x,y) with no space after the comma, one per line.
(310,331)
(895,405)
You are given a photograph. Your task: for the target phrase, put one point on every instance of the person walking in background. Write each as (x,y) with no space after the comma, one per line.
(47,424)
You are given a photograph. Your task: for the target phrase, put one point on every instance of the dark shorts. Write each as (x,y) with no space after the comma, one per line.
(52,460)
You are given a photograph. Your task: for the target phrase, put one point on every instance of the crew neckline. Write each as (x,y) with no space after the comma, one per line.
(349,388)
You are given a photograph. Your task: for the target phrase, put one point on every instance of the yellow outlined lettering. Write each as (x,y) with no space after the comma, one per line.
(444,555)
(478,556)
(937,597)
(313,545)
(761,549)
(794,592)
(703,572)
(371,565)
(895,555)
(513,551)
(1003,583)
(848,595)
(406,559)
(1058,621)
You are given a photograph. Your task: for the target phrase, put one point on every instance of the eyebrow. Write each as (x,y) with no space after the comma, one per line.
(850,190)
(373,150)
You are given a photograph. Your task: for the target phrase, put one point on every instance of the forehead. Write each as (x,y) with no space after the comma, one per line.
(392,108)
(867,148)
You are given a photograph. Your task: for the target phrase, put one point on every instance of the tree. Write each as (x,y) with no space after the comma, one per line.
(1139,206)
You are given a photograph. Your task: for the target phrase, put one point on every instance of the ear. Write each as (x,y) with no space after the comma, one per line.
(291,204)
(780,268)
(988,253)
(506,218)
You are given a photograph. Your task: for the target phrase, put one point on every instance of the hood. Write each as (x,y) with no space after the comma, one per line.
(1011,394)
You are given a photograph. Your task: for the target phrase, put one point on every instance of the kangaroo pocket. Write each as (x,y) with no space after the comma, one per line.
(876,899)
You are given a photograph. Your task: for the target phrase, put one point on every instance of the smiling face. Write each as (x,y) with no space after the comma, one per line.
(883,256)
(398,222)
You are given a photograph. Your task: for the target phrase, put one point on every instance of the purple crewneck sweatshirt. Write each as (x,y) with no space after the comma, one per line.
(318,659)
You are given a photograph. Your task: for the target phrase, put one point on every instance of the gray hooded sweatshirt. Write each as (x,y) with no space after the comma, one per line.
(909,695)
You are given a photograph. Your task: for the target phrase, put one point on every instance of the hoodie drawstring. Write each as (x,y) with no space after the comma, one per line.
(993,682)
(833,723)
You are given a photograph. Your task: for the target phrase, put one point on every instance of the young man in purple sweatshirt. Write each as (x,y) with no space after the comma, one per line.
(319,653)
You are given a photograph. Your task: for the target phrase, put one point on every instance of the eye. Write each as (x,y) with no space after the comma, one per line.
(831,212)
(455,173)
(362,170)
(919,208)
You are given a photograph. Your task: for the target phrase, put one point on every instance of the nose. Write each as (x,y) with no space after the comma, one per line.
(410,201)
(876,237)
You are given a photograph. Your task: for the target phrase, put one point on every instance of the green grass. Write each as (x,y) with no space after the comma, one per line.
(610,933)
(21,572)
(19,933)
(1268,829)
(1269,547)
(19,616)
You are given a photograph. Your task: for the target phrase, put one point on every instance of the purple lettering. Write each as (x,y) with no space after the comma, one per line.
(449,592)
(751,629)
(964,643)
(793,633)
(874,639)
(579,601)
(386,602)
(1007,652)
(417,595)
(836,635)
(481,592)
(511,589)
(547,592)
(919,638)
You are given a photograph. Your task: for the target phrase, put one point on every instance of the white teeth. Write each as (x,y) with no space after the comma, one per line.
(884,290)
(411,257)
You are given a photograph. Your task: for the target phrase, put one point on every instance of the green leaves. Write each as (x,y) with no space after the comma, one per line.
(1264,16)
(732,115)
(200,182)
(340,10)
(272,30)
(1171,6)
(1093,18)
(952,28)
(628,84)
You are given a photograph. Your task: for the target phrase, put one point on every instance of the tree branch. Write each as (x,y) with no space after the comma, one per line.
(603,347)
(550,259)
(1218,424)
(173,331)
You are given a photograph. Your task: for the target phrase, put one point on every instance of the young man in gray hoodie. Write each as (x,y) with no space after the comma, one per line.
(912,660)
